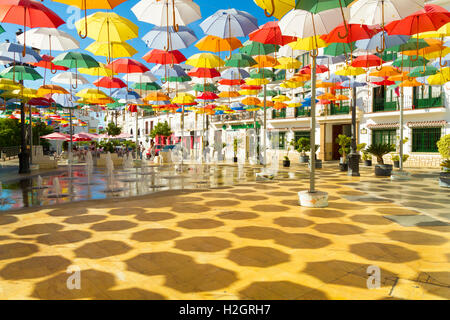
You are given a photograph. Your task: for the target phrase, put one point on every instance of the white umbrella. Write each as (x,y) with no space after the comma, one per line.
(229,23)
(287,51)
(167,12)
(140,77)
(180,86)
(69,78)
(196,80)
(49,39)
(370,12)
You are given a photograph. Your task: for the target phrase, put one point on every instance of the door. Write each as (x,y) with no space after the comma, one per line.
(337,130)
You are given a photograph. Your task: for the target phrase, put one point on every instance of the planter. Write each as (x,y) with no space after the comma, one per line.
(318,164)
(286,163)
(304,159)
(234,159)
(368,163)
(343,167)
(397,164)
(444,179)
(383,170)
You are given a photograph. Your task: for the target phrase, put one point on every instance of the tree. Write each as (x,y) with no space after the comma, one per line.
(161,129)
(9,132)
(113,129)
(41,129)
(379,150)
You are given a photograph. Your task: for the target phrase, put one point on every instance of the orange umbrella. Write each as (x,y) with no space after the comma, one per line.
(410,83)
(265,62)
(216,44)
(251,101)
(385,71)
(342,97)
(399,77)
(327,96)
(229,94)
(51,88)
(156,96)
(279,105)
(269,104)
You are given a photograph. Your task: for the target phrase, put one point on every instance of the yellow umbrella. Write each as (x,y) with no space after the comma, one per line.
(324,84)
(350,71)
(276,8)
(101,71)
(90,93)
(257,82)
(308,43)
(25,92)
(443,31)
(431,52)
(205,60)
(183,98)
(248,92)
(280,98)
(440,78)
(216,44)
(289,84)
(115,49)
(288,63)
(8,84)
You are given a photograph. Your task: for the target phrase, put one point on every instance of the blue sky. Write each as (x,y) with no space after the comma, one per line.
(207,7)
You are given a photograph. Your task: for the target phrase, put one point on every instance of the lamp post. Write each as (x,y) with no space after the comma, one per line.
(353,157)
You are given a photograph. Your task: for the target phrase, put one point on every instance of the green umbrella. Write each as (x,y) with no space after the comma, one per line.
(316,6)
(146,86)
(307,84)
(411,44)
(177,79)
(406,62)
(202,88)
(261,73)
(240,60)
(20,73)
(2,30)
(114,105)
(269,93)
(75,60)
(253,48)
(420,72)
(338,48)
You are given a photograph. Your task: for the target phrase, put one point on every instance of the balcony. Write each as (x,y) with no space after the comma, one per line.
(279,114)
(302,112)
(435,102)
(233,117)
(335,109)
(380,105)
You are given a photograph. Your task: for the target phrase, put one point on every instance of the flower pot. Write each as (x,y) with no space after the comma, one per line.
(304,159)
(368,163)
(286,163)
(234,159)
(343,167)
(383,170)
(318,164)
(444,179)
(397,164)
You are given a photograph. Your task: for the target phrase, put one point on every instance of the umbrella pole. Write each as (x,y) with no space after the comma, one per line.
(71,139)
(137,141)
(182,134)
(353,166)
(312,166)
(31,135)
(24,160)
(401,130)
(265,125)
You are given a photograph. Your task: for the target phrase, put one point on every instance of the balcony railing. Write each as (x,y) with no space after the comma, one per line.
(335,110)
(279,114)
(428,103)
(233,117)
(382,105)
(302,112)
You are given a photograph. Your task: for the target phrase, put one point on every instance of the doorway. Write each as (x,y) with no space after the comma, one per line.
(337,130)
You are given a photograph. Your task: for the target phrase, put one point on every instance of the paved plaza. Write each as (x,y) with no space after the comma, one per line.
(250,240)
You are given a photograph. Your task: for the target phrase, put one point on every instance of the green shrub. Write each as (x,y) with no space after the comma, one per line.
(303,145)
(444,146)
(344,142)
(379,150)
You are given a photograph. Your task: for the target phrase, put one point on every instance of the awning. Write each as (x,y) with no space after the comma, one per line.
(391,125)
(301,129)
(426,124)
(278,129)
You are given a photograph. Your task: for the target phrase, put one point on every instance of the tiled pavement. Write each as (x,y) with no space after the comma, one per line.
(248,241)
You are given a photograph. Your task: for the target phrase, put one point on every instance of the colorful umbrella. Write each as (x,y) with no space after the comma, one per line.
(158,37)
(164,57)
(229,23)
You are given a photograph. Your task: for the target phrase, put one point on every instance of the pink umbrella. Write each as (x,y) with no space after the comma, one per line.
(56,136)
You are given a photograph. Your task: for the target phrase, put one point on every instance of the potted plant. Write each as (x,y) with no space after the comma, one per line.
(302,147)
(344,142)
(396,159)
(235,149)
(367,158)
(286,162)
(379,150)
(444,149)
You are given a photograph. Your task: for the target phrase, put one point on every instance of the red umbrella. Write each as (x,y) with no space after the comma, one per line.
(270,33)
(28,13)
(250,87)
(40,102)
(204,73)
(81,137)
(366,61)
(208,96)
(47,63)
(210,106)
(385,82)
(355,32)
(228,82)
(430,18)
(109,82)
(132,108)
(164,57)
(319,69)
(127,65)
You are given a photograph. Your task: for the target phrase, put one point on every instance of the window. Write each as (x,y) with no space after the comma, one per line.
(305,59)
(424,139)
(146,127)
(301,134)
(277,139)
(427,97)
(384,136)
(282,140)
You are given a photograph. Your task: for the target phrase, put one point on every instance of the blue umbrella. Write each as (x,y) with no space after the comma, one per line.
(334,78)
(63,99)
(156,38)
(234,74)
(125,96)
(12,51)
(165,70)
(351,83)
(219,112)
(237,106)
(375,41)
(328,60)
(229,23)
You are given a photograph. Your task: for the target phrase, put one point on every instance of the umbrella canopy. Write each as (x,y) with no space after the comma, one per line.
(234,74)
(390,41)
(75,60)
(20,73)
(100,71)
(51,89)
(112,49)
(164,57)
(49,39)
(126,65)
(109,82)
(158,13)
(140,77)
(276,8)
(156,38)
(240,60)
(216,44)
(47,63)
(229,23)
(14,52)
(204,73)
(366,61)
(56,136)
(253,48)
(205,60)
(146,86)
(69,78)
(270,33)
